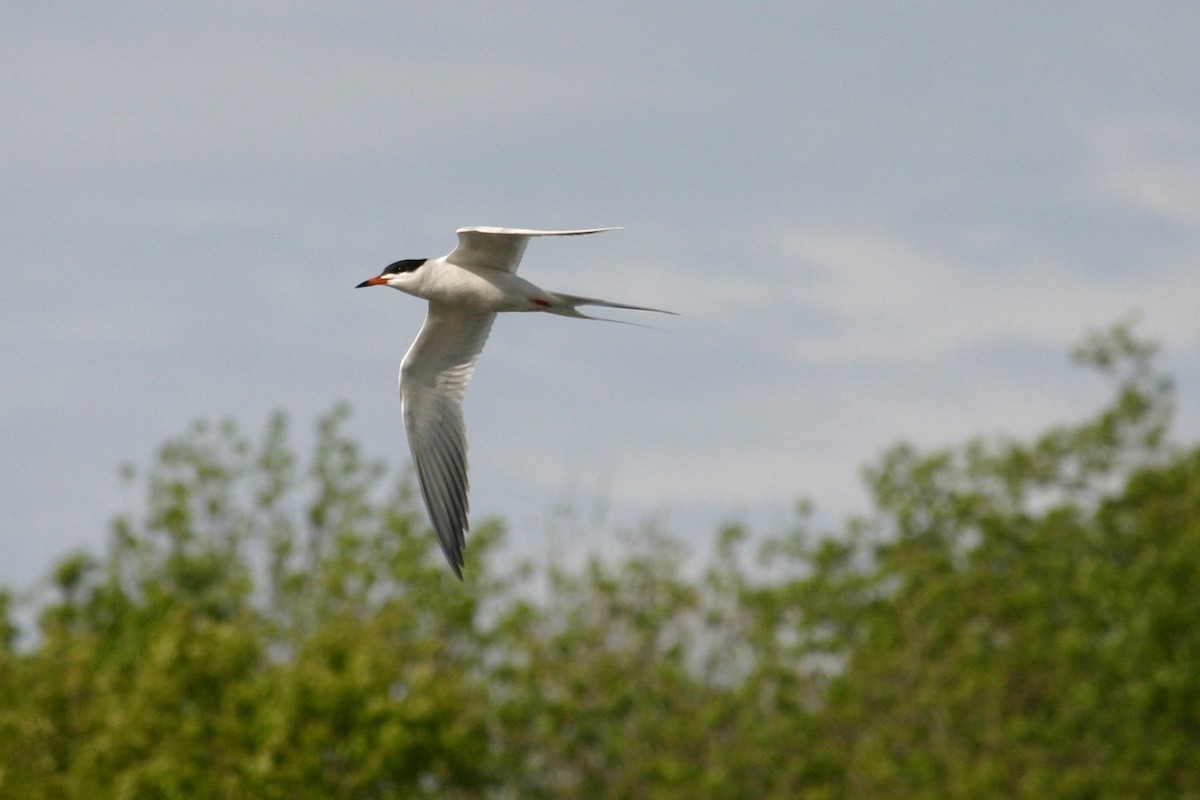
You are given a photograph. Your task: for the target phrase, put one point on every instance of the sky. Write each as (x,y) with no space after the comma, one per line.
(879,222)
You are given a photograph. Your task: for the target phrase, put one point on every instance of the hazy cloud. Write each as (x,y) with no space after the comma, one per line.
(1152,165)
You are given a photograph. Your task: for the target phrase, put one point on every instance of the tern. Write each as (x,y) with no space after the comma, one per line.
(465,289)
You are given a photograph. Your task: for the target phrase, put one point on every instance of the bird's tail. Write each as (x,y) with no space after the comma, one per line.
(571,302)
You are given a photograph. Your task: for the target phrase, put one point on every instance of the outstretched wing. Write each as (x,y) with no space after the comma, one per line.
(433,377)
(500,248)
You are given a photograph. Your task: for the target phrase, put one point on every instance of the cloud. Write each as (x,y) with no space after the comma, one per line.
(1152,165)
(93,101)
(890,298)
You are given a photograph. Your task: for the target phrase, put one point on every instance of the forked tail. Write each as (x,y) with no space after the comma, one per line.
(571,302)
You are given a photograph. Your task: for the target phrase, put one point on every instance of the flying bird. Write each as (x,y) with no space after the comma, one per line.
(465,290)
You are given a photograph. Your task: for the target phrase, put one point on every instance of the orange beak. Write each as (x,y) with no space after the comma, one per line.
(378,279)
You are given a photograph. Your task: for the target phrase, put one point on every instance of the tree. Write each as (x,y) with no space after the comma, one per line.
(258,632)
(1020,618)
(1014,619)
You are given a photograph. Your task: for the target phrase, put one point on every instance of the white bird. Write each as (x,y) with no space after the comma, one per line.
(465,290)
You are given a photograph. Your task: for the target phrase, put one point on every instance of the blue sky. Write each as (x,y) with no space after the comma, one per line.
(879,221)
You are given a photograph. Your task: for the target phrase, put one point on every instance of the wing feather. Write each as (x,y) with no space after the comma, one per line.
(433,378)
(500,248)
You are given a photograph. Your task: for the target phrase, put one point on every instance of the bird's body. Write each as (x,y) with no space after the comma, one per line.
(465,290)
(477,289)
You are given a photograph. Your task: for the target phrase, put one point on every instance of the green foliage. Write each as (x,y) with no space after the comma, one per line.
(1015,619)
(258,632)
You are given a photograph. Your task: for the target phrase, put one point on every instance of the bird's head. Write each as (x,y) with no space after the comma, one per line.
(399,275)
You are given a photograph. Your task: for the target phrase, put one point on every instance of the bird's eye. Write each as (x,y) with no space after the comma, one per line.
(407,265)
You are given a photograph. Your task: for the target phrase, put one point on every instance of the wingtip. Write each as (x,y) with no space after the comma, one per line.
(454,557)
(492,229)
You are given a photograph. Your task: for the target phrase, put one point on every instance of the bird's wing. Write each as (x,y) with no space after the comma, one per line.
(500,248)
(433,377)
